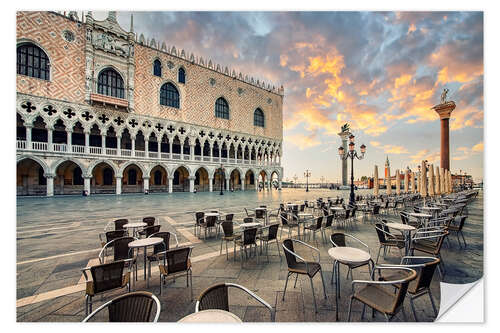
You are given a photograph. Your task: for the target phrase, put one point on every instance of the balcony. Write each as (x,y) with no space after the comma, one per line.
(109,100)
(63,148)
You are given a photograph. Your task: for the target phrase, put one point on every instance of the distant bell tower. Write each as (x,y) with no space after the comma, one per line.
(386,166)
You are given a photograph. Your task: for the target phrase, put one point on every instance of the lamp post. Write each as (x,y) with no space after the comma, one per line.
(221,170)
(307,174)
(352,154)
(295,181)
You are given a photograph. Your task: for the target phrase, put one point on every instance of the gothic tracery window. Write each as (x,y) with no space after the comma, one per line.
(32,61)
(221,108)
(258,118)
(110,83)
(169,95)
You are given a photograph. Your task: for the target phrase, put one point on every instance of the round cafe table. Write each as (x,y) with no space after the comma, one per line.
(145,242)
(348,256)
(211,316)
(433,210)
(406,231)
(421,216)
(250,225)
(134,226)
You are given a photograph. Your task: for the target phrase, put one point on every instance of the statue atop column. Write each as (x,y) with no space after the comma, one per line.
(444,110)
(344,135)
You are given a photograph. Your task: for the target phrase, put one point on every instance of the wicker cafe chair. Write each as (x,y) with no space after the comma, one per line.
(118,224)
(379,299)
(209,224)
(131,307)
(199,219)
(249,238)
(285,223)
(108,236)
(105,277)
(338,239)
(148,231)
(387,240)
(260,214)
(121,251)
(458,228)
(430,241)
(165,246)
(150,222)
(249,214)
(217,297)
(425,268)
(176,262)
(272,235)
(229,235)
(302,266)
(315,227)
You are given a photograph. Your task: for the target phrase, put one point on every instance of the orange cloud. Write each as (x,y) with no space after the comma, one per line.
(478,147)
(425,154)
(303,141)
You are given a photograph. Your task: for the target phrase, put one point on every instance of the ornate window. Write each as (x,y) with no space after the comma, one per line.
(258,118)
(182,75)
(157,68)
(110,83)
(169,95)
(221,108)
(32,61)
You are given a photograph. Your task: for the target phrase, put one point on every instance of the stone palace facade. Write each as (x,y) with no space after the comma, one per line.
(100,110)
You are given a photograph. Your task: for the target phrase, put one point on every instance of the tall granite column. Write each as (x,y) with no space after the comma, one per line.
(444,111)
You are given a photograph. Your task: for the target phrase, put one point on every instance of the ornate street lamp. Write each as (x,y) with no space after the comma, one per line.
(352,154)
(221,173)
(307,174)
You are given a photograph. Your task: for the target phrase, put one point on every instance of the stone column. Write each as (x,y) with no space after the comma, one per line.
(103,144)
(50,184)
(210,184)
(406,181)
(388,184)
(87,140)
(220,153)
(438,182)
(86,184)
(119,146)
(170,148)
(375,181)
(158,148)
(423,181)
(49,139)
(444,111)
(182,151)
(170,184)
(211,153)
(118,185)
(227,184)
(28,135)
(146,148)
(69,136)
(146,184)
(202,146)
(133,145)
(191,184)
(344,136)
(191,152)
(242,184)
(279,185)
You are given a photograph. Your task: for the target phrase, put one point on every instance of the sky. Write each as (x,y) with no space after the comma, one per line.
(381,72)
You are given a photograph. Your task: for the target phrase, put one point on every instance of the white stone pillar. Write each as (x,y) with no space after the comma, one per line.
(170,149)
(49,139)
(202,148)
(242,180)
(69,140)
(87,140)
(86,184)
(146,148)
(119,146)
(220,153)
(146,184)
(133,145)
(50,184)
(118,185)
(227,184)
(103,144)
(191,152)
(28,135)
(191,184)
(211,184)
(182,151)
(211,153)
(158,148)
(170,184)
(279,185)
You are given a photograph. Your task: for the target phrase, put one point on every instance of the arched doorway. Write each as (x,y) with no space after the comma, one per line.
(181,180)
(103,179)
(262,180)
(132,181)
(274,180)
(249,180)
(158,179)
(68,179)
(235,180)
(219,179)
(201,180)
(30,179)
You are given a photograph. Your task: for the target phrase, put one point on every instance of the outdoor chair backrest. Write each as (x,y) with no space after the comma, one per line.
(121,249)
(152,230)
(249,235)
(404,217)
(381,235)
(199,217)
(215,297)
(150,221)
(337,201)
(228,228)
(338,239)
(376,209)
(120,223)
(110,235)
(329,221)
(247,219)
(263,206)
(166,242)
(424,273)
(319,221)
(273,231)
(211,220)
(325,210)
(353,212)
(260,213)
(341,200)
(302,207)
(291,261)
(400,293)
(347,212)
(177,259)
(462,221)
(132,307)
(283,218)
(229,217)
(107,276)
